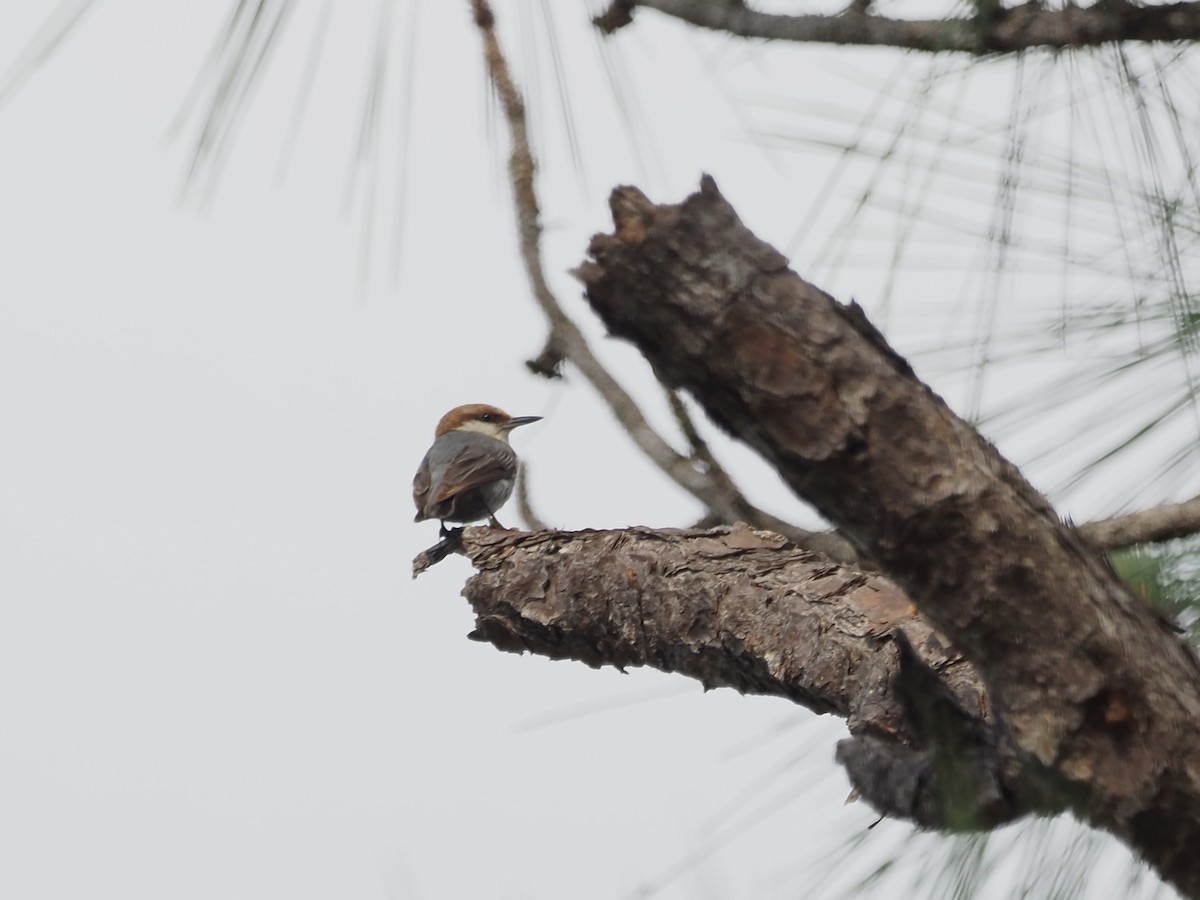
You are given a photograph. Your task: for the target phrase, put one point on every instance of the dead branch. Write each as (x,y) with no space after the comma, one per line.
(735,607)
(524,504)
(1083,674)
(451,542)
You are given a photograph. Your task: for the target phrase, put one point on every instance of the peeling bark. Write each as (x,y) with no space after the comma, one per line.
(746,609)
(730,607)
(1084,677)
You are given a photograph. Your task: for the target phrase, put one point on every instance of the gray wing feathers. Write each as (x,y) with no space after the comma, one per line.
(458,463)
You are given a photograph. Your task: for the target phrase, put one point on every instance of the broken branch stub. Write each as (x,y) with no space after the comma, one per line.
(1083,675)
(741,608)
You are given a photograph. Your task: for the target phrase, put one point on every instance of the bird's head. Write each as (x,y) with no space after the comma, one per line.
(482,418)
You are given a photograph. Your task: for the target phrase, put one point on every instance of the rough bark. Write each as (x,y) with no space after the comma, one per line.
(735,607)
(997,29)
(1082,675)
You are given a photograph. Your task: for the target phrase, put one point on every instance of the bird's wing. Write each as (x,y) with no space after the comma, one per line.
(421,484)
(474,467)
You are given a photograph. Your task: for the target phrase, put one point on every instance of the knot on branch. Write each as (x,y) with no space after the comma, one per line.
(548,363)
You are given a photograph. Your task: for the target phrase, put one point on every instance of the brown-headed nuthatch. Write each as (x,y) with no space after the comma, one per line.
(470,470)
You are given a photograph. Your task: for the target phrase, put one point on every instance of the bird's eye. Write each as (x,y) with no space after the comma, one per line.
(487,417)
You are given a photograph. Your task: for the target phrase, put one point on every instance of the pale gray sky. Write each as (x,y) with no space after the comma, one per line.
(218,678)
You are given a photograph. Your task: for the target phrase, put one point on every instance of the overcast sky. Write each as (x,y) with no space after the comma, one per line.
(217,678)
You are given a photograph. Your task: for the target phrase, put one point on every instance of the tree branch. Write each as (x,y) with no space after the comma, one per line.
(1001,30)
(1148,526)
(1085,677)
(735,607)
(524,505)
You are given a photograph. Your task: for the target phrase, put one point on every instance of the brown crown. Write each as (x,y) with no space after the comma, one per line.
(482,412)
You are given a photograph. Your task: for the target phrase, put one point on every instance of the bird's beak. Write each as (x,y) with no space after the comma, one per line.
(521,420)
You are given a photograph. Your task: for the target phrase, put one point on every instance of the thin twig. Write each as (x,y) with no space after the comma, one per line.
(524,506)
(829,543)
(701,452)
(998,30)
(713,488)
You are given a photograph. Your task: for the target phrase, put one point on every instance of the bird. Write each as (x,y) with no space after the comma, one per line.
(469,471)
